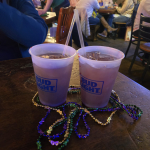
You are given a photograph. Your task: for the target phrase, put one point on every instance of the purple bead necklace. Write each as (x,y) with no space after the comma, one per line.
(132,110)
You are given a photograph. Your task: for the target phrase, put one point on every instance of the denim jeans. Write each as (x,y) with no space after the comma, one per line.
(122,19)
(94,21)
(109,19)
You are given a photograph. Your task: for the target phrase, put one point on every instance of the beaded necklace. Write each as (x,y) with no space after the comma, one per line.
(53,136)
(132,110)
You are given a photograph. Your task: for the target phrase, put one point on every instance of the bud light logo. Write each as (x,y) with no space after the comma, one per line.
(92,86)
(47,85)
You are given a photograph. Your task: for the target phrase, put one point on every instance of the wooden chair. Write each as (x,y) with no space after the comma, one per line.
(144,33)
(64,22)
(132,34)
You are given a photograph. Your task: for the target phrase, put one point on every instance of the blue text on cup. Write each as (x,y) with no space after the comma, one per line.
(92,86)
(45,84)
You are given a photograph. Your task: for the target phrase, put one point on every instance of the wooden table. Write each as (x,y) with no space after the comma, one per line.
(50,18)
(107,10)
(19,117)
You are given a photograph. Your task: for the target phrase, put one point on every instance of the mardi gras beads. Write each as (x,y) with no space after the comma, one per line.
(132,110)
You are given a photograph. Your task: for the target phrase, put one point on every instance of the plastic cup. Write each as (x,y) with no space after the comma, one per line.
(98,77)
(52,75)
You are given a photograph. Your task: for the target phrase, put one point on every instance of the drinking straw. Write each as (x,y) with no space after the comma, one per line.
(70,30)
(75,19)
(69,34)
(79,27)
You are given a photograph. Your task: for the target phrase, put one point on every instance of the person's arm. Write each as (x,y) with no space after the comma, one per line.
(96,4)
(124,8)
(24,25)
(47,6)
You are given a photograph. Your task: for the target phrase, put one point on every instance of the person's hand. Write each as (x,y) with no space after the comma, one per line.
(41,11)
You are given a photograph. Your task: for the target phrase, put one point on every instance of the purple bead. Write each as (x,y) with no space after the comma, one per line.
(54,142)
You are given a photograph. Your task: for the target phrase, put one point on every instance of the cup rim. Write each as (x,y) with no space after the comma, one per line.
(48,58)
(123,55)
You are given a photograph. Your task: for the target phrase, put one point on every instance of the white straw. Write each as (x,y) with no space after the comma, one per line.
(79,27)
(70,30)
(75,19)
(69,34)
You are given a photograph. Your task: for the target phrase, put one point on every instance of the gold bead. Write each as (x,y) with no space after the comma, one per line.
(59,111)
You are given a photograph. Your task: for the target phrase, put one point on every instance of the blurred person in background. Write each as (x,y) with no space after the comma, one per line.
(56,5)
(108,17)
(90,5)
(124,12)
(20,28)
(144,8)
(73,3)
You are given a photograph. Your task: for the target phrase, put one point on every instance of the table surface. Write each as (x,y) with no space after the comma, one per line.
(51,17)
(19,117)
(107,10)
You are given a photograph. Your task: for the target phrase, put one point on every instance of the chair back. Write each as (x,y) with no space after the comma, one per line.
(144,30)
(133,16)
(64,22)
